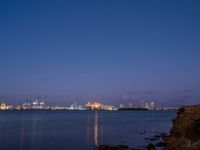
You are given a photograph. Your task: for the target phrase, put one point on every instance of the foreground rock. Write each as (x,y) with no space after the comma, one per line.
(185,133)
(117,147)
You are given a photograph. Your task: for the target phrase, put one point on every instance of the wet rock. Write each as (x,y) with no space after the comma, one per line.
(160,144)
(103,147)
(116,147)
(151,146)
(165,138)
(153,139)
(146,139)
(119,147)
(157,136)
(163,134)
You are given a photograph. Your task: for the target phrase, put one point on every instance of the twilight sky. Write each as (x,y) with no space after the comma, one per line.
(110,50)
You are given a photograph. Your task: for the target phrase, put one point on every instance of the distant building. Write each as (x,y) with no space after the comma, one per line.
(147,105)
(130,105)
(38,104)
(3,106)
(121,105)
(94,106)
(152,105)
(98,106)
(142,104)
(74,106)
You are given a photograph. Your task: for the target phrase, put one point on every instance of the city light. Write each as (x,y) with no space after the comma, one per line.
(39,104)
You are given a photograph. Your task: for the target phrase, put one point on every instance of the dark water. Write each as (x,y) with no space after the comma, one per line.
(79,130)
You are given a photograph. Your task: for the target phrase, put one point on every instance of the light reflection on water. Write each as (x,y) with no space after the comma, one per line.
(96,130)
(93,128)
(76,130)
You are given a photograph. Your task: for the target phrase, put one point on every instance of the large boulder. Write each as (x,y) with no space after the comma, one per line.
(185,133)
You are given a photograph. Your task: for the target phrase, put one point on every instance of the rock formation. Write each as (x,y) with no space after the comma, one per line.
(185,133)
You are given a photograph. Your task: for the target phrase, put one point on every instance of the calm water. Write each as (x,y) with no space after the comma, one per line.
(79,130)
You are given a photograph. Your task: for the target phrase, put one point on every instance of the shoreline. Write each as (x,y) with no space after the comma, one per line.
(120,110)
(184,134)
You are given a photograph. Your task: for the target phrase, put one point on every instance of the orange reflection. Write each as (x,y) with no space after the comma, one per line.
(93,129)
(96,129)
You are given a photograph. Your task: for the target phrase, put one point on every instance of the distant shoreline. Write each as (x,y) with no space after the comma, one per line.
(121,110)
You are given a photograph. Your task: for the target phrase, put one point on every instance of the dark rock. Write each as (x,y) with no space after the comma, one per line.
(116,147)
(151,146)
(163,134)
(153,139)
(180,111)
(103,147)
(160,144)
(196,129)
(119,147)
(185,133)
(157,136)
(165,138)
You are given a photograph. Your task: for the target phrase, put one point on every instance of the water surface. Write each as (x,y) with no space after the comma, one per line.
(79,130)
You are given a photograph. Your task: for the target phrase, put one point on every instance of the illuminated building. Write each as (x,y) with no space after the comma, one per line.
(147,105)
(121,105)
(38,104)
(98,106)
(142,104)
(94,106)
(130,105)
(3,106)
(109,108)
(152,105)
(74,106)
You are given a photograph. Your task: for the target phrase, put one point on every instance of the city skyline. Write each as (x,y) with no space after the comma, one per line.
(125,99)
(41,104)
(111,51)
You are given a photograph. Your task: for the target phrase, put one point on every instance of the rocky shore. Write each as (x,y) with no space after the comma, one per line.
(155,142)
(185,133)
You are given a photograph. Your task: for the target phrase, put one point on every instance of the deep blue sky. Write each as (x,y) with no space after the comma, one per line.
(112,50)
